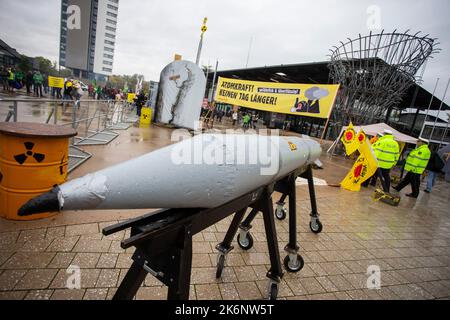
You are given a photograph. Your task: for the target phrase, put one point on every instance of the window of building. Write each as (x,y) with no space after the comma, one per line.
(110,28)
(111,21)
(109,49)
(108,63)
(112,7)
(109,35)
(109,42)
(115,1)
(107,69)
(108,56)
(111,14)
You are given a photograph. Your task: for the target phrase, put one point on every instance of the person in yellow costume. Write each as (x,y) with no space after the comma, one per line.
(387,152)
(415,165)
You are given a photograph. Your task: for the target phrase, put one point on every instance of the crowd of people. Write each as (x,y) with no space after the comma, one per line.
(35,82)
(419,160)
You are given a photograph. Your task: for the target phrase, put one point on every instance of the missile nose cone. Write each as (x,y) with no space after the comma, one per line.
(47,202)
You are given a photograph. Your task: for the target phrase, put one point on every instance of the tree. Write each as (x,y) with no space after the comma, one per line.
(25,64)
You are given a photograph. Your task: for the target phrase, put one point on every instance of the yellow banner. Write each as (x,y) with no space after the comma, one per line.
(55,82)
(130,97)
(310,100)
(364,167)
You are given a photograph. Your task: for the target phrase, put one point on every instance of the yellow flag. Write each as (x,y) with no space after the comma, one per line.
(364,167)
(349,140)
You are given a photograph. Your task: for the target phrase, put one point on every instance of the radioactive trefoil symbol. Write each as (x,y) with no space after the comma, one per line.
(21,158)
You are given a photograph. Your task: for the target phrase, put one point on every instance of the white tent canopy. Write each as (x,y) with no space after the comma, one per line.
(373,129)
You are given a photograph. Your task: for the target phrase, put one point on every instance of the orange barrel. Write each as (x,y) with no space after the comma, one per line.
(33,159)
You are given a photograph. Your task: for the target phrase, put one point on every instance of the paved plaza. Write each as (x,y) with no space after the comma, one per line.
(410,244)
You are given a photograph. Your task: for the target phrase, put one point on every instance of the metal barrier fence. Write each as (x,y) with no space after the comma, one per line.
(94,120)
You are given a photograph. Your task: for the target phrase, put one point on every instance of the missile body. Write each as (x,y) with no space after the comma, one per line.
(201,172)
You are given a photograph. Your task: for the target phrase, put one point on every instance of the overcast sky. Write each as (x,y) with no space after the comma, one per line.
(150,32)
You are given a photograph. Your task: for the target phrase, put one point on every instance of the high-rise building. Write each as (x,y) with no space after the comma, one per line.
(88,37)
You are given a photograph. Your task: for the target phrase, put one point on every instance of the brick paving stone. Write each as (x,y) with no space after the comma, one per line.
(312,286)
(201,260)
(36,279)
(358,280)
(82,229)
(436,288)
(108,278)
(107,260)
(124,260)
(9,279)
(322,296)
(28,260)
(12,295)
(55,232)
(111,292)
(283,289)
(8,238)
(4,256)
(90,245)
(358,294)
(228,291)
(115,247)
(32,235)
(192,294)
(248,291)
(151,293)
(35,245)
(296,287)
(96,294)
(410,292)
(245,273)
(88,278)
(68,294)
(327,284)
(86,260)
(341,295)
(39,295)
(207,292)
(61,260)
(63,244)
(341,283)
(255,258)
(209,236)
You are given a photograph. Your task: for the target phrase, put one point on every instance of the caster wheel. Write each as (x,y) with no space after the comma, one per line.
(273,291)
(290,267)
(280,213)
(315,226)
(246,243)
(220,266)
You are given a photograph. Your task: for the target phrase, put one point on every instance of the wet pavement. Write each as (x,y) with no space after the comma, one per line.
(409,243)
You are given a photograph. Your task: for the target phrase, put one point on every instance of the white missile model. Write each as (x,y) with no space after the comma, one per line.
(205,171)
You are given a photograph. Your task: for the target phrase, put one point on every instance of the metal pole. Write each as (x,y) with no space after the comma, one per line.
(213,82)
(200,44)
(199,50)
(437,116)
(429,106)
(15,111)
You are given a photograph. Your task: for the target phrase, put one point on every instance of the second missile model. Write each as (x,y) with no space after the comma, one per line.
(205,171)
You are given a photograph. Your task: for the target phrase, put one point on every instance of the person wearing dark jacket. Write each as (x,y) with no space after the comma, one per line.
(140,101)
(29,81)
(435,165)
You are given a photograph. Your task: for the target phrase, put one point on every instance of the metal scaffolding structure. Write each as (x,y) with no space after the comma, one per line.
(375,72)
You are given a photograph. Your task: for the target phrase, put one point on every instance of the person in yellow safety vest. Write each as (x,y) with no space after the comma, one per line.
(387,152)
(415,165)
